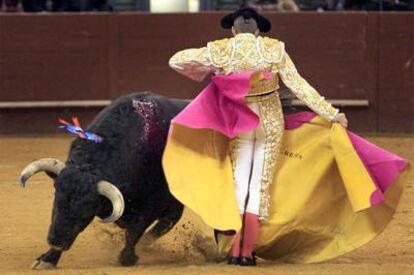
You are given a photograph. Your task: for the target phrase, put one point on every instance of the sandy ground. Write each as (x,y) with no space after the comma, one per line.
(187,249)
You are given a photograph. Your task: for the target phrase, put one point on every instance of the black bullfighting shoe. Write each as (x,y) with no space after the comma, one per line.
(247,261)
(233,260)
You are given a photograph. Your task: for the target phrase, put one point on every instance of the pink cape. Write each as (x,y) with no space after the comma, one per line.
(220,106)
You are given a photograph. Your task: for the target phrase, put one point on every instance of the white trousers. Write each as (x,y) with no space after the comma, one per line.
(249,162)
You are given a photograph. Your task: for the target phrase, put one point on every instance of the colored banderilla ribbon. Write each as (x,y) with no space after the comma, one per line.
(76,129)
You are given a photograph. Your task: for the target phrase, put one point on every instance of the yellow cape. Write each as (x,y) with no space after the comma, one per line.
(320,197)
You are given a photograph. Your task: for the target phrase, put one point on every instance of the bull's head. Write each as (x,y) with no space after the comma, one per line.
(77,202)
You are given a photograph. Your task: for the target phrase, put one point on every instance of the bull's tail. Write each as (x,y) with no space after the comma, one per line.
(164,224)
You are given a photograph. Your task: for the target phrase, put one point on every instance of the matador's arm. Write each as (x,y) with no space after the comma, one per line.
(305,92)
(193,63)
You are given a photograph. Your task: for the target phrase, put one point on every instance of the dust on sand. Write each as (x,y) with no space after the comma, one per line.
(187,249)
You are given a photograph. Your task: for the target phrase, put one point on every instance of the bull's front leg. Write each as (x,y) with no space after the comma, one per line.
(133,233)
(48,260)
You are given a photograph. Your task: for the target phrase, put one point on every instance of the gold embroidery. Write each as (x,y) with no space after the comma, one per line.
(270,49)
(271,116)
(245,52)
(193,63)
(264,86)
(191,55)
(242,53)
(305,92)
(221,52)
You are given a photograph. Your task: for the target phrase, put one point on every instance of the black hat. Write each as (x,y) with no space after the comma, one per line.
(263,24)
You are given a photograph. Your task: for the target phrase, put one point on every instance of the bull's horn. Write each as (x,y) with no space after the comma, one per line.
(50,165)
(110,191)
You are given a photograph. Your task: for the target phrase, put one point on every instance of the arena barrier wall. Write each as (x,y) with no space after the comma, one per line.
(56,65)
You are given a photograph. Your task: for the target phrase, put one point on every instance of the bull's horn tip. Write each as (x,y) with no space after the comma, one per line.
(23,180)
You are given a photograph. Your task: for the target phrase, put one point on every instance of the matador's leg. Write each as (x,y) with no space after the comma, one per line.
(268,138)
(241,153)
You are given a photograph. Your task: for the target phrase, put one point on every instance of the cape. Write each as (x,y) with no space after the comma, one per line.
(332,191)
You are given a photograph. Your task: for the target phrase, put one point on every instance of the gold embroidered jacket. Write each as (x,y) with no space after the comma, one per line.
(247,52)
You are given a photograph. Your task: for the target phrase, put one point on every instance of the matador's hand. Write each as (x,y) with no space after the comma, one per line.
(341,119)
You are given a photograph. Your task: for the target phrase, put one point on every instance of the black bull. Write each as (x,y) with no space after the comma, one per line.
(118,180)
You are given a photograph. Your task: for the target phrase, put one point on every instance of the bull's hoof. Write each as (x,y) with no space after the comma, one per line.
(41,265)
(128,259)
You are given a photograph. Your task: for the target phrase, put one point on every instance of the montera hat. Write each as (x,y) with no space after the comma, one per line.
(247,12)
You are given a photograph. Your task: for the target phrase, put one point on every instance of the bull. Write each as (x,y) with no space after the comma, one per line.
(119,180)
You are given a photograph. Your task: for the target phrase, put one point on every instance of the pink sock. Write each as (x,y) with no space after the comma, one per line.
(235,248)
(251,231)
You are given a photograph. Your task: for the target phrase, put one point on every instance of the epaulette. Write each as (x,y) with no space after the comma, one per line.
(221,52)
(272,50)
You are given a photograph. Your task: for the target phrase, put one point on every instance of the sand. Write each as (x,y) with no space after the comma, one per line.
(187,249)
